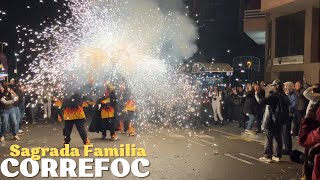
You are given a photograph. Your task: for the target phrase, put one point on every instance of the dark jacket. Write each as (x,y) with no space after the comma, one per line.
(293,102)
(96,123)
(250,103)
(236,99)
(273,100)
(20,94)
(260,107)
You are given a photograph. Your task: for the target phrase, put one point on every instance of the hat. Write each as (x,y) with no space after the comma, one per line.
(276,82)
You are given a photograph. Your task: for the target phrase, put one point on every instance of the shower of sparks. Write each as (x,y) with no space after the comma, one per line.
(136,42)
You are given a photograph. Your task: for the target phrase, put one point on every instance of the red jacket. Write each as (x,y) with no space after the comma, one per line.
(309,136)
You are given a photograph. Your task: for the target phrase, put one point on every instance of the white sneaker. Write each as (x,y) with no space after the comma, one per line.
(113,138)
(20,131)
(2,139)
(264,159)
(16,137)
(275,159)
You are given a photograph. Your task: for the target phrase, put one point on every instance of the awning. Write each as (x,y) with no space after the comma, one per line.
(210,68)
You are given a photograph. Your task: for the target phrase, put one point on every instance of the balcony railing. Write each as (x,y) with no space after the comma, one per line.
(250,14)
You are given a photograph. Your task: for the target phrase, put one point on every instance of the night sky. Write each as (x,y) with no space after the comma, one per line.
(18,13)
(222,32)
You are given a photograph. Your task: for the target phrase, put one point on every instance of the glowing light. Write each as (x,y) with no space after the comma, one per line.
(102,41)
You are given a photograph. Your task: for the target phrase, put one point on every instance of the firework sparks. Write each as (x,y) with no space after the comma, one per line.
(140,41)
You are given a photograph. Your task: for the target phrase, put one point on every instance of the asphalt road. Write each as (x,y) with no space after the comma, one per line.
(212,153)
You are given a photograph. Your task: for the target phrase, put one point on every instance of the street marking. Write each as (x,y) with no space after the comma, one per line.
(238,138)
(247,162)
(175,136)
(212,144)
(205,136)
(234,135)
(252,158)
(196,142)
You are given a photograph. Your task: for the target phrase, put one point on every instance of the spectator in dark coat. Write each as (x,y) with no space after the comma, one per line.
(249,107)
(301,108)
(236,102)
(259,95)
(273,126)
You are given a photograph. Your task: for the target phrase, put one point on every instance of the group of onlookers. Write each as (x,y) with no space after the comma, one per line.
(12,108)
(280,110)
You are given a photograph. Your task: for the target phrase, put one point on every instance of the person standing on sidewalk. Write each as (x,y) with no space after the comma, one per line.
(279,110)
(249,108)
(47,101)
(242,95)
(18,93)
(259,95)
(236,101)
(8,113)
(301,108)
(205,109)
(216,105)
(286,131)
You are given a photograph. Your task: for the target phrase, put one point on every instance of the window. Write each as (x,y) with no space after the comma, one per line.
(290,35)
(253,4)
(293,76)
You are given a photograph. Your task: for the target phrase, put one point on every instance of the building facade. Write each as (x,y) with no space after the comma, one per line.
(292,40)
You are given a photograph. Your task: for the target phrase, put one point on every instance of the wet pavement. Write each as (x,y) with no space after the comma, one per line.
(208,153)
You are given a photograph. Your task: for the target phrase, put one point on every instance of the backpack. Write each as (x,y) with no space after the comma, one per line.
(281,114)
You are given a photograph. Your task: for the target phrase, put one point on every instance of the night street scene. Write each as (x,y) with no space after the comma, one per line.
(160,89)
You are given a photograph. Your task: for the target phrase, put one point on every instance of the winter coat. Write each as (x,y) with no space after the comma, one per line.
(273,101)
(250,103)
(236,100)
(293,98)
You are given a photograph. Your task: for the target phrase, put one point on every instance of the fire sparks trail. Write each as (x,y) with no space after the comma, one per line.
(139,41)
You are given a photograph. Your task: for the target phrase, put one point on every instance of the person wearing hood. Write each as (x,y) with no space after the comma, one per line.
(105,116)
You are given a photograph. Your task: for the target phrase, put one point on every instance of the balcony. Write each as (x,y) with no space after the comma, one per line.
(254,25)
